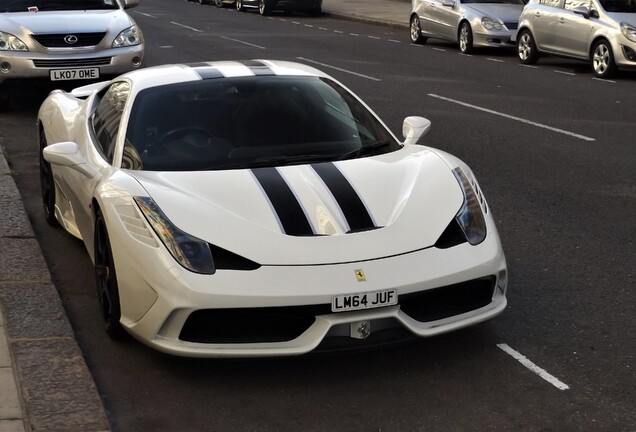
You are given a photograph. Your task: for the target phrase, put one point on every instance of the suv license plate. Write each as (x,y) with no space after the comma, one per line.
(360,301)
(74,74)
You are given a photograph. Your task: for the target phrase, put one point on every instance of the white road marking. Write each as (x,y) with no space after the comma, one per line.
(529,66)
(439,49)
(519,119)
(166,46)
(185,26)
(339,69)
(533,367)
(243,42)
(373,37)
(494,60)
(323,28)
(395,41)
(295,22)
(338,31)
(564,72)
(354,34)
(309,25)
(146,14)
(604,80)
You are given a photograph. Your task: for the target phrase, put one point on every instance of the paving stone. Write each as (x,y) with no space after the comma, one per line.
(8,189)
(9,402)
(4,166)
(57,387)
(12,426)
(14,221)
(34,311)
(22,260)
(5,358)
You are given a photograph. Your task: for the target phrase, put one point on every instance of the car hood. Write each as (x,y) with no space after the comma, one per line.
(629,18)
(410,195)
(51,22)
(504,12)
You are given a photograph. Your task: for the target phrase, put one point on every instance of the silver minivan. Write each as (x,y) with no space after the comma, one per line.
(602,32)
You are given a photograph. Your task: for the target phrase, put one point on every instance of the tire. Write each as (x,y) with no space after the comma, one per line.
(527,48)
(602,60)
(106,281)
(264,8)
(218,3)
(315,12)
(203,2)
(465,38)
(415,30)
(239,6)
(47,185)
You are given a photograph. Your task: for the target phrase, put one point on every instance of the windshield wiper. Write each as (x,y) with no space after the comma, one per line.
(364,150)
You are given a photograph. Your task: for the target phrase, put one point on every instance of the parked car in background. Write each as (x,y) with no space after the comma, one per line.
(265,7)
(602,32)
(217,3)
(68,39)
(470,23)
(259,208)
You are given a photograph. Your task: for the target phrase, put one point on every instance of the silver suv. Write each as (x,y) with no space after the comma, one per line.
(68,39)
(602,32)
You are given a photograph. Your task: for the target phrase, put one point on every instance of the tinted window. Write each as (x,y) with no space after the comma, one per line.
(553,3)
(573,4)
(625,6)
(107,117)
(251,121)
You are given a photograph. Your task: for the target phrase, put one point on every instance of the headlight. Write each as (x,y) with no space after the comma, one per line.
(629,31)
(192,253)
(129,37)
(470,216)
(491,24)
(8,42)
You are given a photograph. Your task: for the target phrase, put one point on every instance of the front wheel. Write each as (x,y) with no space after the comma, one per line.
(106,278)
(264,8)
(416,30)
(603,63)
(218,3)
(527,48)
(47,185)
(239,6)
(465,38)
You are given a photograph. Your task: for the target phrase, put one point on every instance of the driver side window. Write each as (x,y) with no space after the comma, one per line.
(107,117)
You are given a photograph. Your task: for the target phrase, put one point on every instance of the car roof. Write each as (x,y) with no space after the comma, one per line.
(175,73)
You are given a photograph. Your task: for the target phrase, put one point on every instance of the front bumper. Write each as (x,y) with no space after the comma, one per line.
(187,314)
(30,65)
(501,39)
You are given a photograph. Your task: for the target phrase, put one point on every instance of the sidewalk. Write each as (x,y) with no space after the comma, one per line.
(45,384)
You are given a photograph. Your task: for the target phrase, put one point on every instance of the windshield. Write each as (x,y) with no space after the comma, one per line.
(247,122)
(55,5)
(620,6)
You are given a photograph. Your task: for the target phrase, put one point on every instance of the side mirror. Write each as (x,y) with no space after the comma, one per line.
(448,3)
(414,128)
(67,154)
(130,3)
(582,10)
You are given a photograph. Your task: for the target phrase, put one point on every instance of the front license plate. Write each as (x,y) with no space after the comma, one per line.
(359,301)
(74,74)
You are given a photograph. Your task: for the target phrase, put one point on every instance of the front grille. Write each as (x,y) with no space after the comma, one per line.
(57,40)
(100,61)
(448,301)
(511,25)
(250,325)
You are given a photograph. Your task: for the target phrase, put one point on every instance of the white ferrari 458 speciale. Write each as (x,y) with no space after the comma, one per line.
(260,208)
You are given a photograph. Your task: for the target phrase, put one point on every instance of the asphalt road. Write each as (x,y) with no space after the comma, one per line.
(555,153)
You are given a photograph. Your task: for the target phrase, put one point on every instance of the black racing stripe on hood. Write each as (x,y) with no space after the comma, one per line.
(257,68)
(206,71)
(287,208)
(347,198)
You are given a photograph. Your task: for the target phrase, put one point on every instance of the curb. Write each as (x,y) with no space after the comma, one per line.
(54,386)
